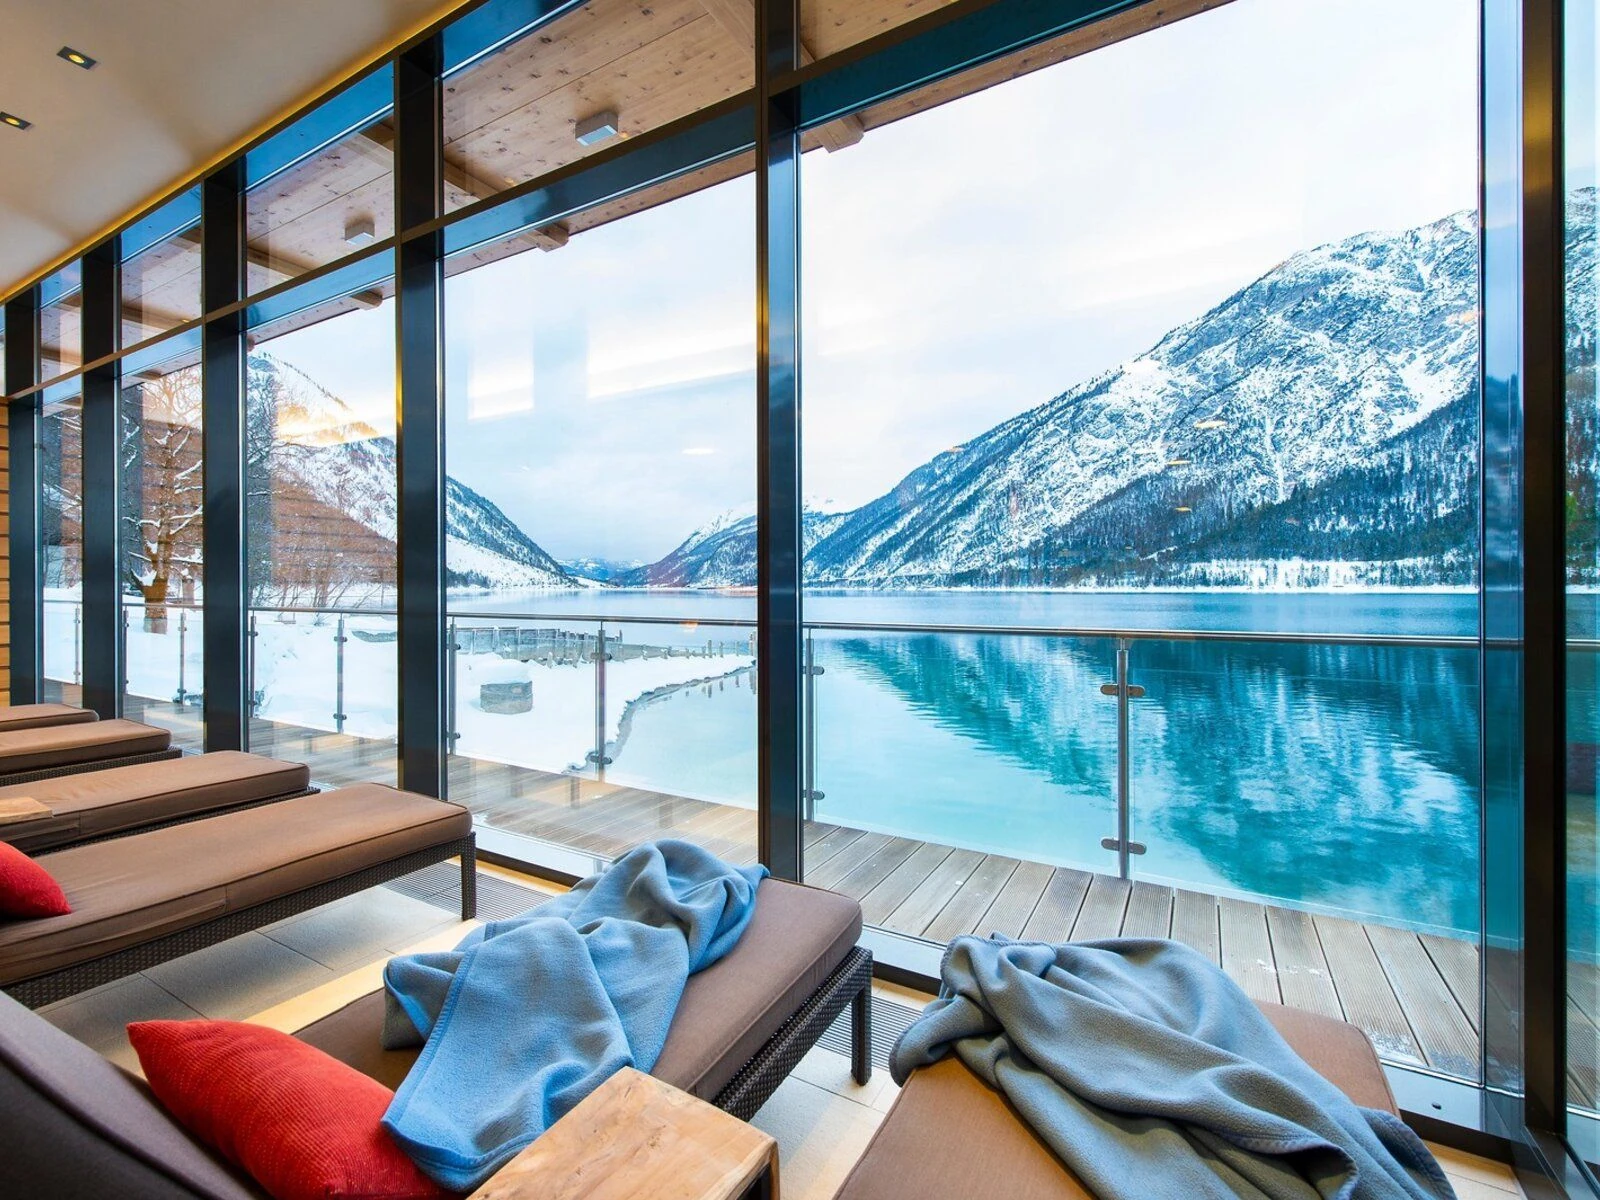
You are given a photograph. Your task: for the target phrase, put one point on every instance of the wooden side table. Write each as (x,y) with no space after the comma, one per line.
(636,1136)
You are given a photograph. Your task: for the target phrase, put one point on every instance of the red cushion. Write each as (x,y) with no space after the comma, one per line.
(301,1123)
(26,888)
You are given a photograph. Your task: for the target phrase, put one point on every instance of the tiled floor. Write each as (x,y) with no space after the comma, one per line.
(291,973)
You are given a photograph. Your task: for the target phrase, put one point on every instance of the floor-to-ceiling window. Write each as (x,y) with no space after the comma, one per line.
(320,537)
(600,435)
(1583,582)
(60,466)
(1140,471)
(161,561)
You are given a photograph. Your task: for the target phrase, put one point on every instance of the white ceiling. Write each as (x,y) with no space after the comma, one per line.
(178,82)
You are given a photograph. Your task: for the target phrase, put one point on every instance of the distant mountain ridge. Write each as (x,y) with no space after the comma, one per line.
(1317,426)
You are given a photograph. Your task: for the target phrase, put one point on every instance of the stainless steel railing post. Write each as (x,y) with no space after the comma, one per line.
(183,632)
(77,644)
(339,640)
(451,734)
(598,755)
(1123,843)
(809,793)
(250,642)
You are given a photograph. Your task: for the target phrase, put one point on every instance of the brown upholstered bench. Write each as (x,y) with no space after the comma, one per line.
(149,897)
(78,1126)
(742,1023)
(38,716)
(93,805)
(53,750)
(925,1146)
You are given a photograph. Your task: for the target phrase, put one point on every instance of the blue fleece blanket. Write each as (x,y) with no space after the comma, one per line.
(526,1017)
(1150,1073)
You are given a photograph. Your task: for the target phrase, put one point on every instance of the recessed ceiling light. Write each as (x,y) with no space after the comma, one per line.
(14,121)
(360,231)
(76,57)
(596,127)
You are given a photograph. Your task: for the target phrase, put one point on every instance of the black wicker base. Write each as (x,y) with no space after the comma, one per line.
(850,983)
(58,985)
(99,764)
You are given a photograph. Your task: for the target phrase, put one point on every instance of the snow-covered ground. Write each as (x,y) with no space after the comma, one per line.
(297,674)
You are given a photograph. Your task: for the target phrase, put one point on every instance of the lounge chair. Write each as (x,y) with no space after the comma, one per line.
(78,1126)
(148,897)
(37,716)
(94,805)
(926,1145)
(53,750)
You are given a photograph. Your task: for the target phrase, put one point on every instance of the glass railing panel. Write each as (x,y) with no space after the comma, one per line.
(164,657)
(600,734)
(1310,810)
(323,691)
(951,767)
(63,650)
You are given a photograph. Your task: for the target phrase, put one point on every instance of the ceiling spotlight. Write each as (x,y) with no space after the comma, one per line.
(76,57)
(360,231)
(14,121)
(596,127)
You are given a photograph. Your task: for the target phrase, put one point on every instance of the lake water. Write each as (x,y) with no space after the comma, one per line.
(1336,777)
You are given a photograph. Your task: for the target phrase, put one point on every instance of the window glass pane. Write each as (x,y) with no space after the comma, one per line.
(1209,366)
(163,487)
(161,270)
(601,438)
(1583,574)
(320,536)
(575,84)
(61,323)
(61,541)
(324,187)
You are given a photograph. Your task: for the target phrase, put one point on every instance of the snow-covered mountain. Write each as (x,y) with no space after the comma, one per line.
(322,452)
(1318,426)
(722,553)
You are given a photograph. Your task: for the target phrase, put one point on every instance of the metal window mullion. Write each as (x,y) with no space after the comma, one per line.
(100,499)
(224,430)
(779,633)
(419,373)
(21,369)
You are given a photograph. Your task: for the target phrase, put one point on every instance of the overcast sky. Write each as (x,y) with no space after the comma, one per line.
(960,267)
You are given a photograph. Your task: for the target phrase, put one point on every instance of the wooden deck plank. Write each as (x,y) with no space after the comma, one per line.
(1052,918)
(1247,948)
(1583,1055)
(1457,960)
(1011,909)
(966,907)
(881,901)
(876,868)
(829,845)
(1103,909)
(848,859)
(927,899)
(1194,923)
(1449,1043)
(1303,975)
(1365,994)
(1149,911)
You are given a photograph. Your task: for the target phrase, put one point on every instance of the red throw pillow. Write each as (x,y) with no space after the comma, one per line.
(302,1124)
(26,888)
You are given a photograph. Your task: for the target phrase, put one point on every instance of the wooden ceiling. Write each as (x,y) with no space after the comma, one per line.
(509,118)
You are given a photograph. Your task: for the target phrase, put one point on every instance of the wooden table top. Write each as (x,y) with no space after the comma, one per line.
(636,1136)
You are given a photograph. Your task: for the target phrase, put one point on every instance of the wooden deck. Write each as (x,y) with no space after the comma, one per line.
(1416,995)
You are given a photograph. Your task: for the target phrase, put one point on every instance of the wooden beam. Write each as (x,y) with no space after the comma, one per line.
(738,20)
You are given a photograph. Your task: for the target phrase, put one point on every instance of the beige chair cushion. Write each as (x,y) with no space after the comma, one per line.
(98,803)
(34,716)
(139,887)
(925,1146)
(797,938)
(69,745)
